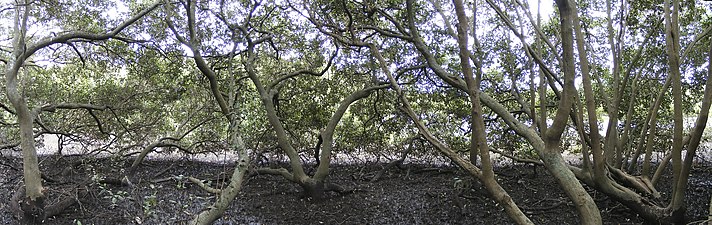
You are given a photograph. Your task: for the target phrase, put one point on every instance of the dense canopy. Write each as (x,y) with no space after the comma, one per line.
(603,94)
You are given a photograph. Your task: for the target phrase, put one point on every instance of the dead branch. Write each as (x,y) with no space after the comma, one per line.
(116,181)
(163,171)
(204,186)
(281,171)
(66,202)
(517,159)
(169,141)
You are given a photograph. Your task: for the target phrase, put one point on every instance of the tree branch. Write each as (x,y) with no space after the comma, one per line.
(68,37)
(204,186)
(281,172)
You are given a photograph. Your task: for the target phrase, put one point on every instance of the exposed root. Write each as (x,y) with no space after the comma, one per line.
(66,202)
(542,209)
(640,184)
(391,165)
(33,212)
(341,190)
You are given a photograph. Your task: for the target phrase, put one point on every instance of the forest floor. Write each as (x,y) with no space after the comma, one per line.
(411,194)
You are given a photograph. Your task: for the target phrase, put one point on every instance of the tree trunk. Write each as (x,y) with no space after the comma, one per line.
(227,195)
(478,140)
(672,46)
(587,209)
(218,208)
(678,202)
(33,201)
(313,189)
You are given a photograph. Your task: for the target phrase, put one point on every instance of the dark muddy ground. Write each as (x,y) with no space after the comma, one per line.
(414,194)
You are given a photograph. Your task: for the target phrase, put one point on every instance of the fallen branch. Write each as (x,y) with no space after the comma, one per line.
(517,159)
(116,181)
(163,171)
(204,186)
(281,171)
(63,204)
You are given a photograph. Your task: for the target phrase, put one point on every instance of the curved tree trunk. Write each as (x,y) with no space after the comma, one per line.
(327,134)
(587,209)
(550,155)
(497,192)
(32,203)
(478,140)
(229,193)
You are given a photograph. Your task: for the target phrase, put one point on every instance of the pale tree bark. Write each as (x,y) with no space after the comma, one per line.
(32,203)
(599,162)
(478,139)
(313,186)
(549,152)
(328,133)
(497,192)
(680,185)
(651,126)
(547,146)
(226,195)
(624,144)
(647,208)
(661,169)
(651,120)
(612,102)
(587,209)
(672,45)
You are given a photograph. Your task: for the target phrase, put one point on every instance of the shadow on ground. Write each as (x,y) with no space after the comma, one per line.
(412,194)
